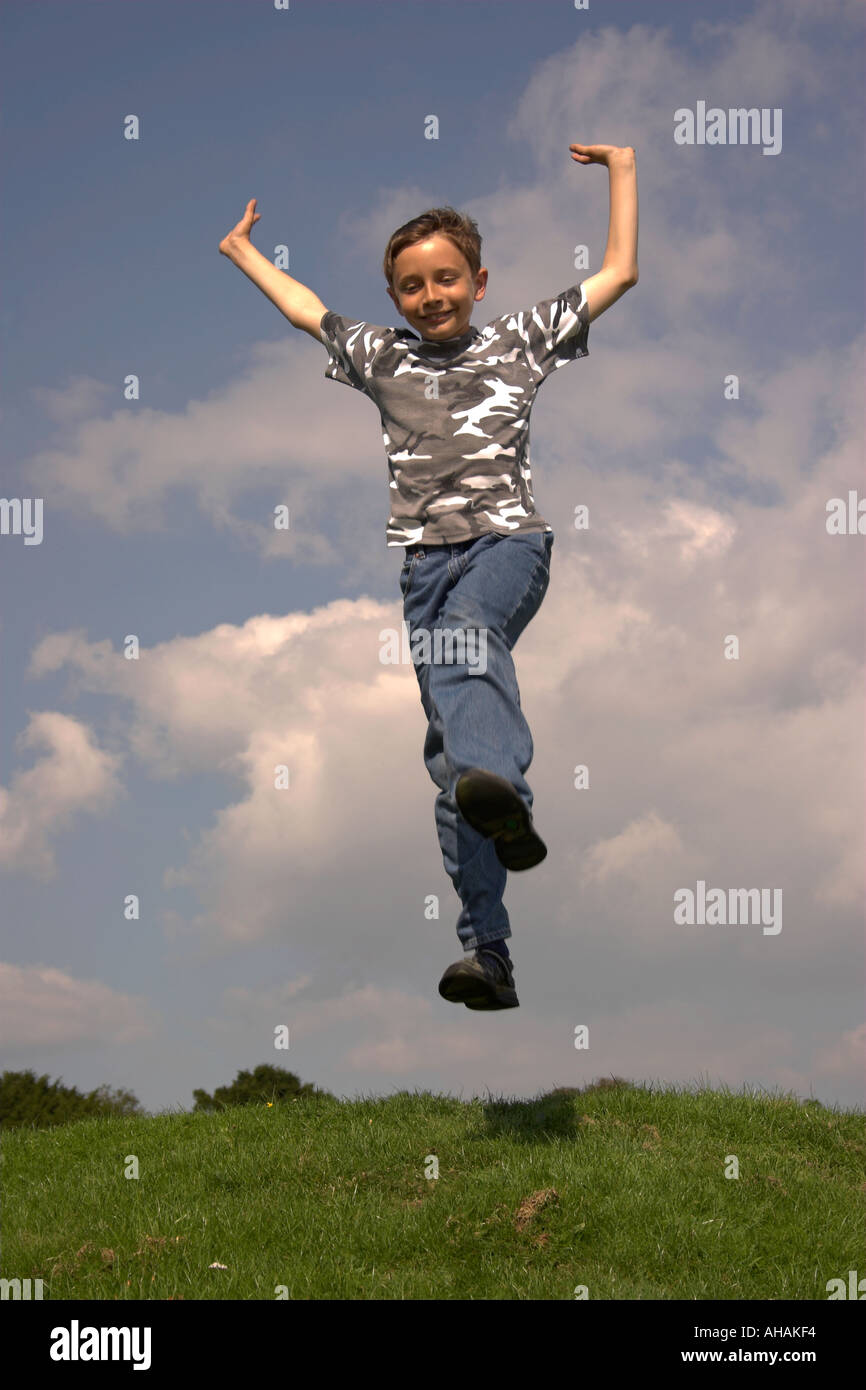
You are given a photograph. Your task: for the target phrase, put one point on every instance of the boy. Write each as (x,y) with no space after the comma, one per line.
(454,404)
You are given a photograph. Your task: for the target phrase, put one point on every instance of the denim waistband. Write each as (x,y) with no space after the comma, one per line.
(421,546)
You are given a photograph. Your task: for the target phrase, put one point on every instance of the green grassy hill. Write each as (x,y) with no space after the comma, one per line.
(618,1188)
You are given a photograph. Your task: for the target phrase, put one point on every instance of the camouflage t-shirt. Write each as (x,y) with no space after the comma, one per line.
(455,414)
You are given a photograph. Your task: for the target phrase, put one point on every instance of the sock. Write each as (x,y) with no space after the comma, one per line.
(500,947)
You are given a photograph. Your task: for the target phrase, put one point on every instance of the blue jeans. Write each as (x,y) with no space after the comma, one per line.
(484,591)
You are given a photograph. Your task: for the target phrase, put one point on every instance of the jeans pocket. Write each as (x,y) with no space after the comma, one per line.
(541,580)
(407,572)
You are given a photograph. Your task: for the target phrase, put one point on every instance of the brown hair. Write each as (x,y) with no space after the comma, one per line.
(460,229)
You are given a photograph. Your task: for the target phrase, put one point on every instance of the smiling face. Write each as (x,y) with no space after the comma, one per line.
(432,278)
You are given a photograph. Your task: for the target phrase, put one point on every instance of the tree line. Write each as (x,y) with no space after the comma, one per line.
(31,1101)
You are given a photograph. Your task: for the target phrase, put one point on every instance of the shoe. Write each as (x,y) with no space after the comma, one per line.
(492,807)
(485,981)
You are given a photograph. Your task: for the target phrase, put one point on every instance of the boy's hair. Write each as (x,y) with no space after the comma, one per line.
(457,226)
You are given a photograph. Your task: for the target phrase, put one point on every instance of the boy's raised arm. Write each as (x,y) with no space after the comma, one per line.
(301,307)
(619,268)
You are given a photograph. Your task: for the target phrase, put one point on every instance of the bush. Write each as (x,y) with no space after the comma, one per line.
(28,1100)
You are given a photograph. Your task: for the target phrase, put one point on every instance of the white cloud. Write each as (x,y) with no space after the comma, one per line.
(74,776)
(844,1056)
(44,1007)
(632,853)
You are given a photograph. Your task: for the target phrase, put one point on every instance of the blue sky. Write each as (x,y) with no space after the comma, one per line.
(708,517)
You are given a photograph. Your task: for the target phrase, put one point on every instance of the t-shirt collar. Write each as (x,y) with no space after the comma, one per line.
(443,345)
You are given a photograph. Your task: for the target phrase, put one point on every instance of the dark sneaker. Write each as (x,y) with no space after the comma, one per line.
(492,807)
(484,981)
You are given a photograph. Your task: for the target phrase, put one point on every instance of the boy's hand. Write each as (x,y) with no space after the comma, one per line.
(242,230)
(602,154)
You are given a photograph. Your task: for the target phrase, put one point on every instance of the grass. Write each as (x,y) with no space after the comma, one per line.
(618,1188)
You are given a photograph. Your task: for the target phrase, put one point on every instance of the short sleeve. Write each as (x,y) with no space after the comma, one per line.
(352,348)
(555,331)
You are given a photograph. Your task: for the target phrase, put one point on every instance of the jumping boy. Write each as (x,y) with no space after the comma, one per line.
(454,404)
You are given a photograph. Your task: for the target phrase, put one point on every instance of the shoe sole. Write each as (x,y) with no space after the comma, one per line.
(492,807)
(464,984)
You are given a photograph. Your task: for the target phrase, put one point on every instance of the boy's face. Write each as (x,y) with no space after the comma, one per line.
(432,278)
